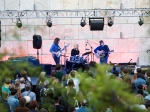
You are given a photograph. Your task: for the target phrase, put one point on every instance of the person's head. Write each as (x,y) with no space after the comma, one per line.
(13,92)
(122,69)
(56,99)
(22,102)
(22,80)
(27,99)
(101,42)
(71,109)
(42,76)
(76,46)
(43,110)
(70,83)
(27,86)
(73,73)
(56,41)
(7,81)
(147,104)
(138,99)
(139,75)
(139,70)
(53,74)
(50,93)
(55,82)
(116,73)
(34,104)
(58,67)
(17,84)
(24,74)
(84,102)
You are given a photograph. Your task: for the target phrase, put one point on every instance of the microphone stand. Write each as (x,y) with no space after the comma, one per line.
(91,51)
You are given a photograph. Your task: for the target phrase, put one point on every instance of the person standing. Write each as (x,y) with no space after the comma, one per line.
(104,49)
(54,49)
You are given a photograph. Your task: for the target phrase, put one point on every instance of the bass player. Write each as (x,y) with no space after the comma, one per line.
(102,52)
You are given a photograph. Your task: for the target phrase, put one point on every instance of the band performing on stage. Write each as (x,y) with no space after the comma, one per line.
(101,52)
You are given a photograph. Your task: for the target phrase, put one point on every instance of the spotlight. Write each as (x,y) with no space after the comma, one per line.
(141,22)
(49,23)
(19,23)
(83,22)
(110,22)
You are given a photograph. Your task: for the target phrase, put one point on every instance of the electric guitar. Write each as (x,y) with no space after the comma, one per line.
(58,53)
(101,54)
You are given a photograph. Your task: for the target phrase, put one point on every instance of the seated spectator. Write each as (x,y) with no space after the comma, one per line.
(22,108)
(4,102)
(28,92)
(59,108)
(5,87)
(22,84)
(59,73)
(138,81)
(75,80)
(12,101)
(84,107)
(34,106)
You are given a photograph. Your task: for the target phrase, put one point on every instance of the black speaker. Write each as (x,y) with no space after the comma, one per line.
(47,68)
(37,41)
(96,24)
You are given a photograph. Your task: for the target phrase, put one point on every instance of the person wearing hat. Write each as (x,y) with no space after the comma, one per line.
(103,51)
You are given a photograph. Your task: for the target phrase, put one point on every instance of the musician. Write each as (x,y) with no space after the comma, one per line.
(105,49)
(75,51)
(54,49)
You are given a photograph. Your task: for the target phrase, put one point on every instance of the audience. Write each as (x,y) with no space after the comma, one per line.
(22,108)
(34,106)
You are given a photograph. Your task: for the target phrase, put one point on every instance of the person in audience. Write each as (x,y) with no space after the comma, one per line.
(147,105)
(5,87)
(22,84)
(84,107)
(148,77)
(4,102)
(22,108)
(24,74)
(59,108)
(64,79)
(12,101)
(59,73)
(34,106)
(41,79)
(28,92)
(116,73)
(43,110)
(75,80)
(70,85)
(17,87)
(71,97)
(138,81)
(27,101)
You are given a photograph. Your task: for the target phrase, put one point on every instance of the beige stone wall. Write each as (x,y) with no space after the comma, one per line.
(133,45)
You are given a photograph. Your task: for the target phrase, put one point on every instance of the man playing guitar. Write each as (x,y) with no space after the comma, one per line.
(102,52)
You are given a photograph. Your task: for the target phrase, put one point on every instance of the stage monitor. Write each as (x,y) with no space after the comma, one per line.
(96,24)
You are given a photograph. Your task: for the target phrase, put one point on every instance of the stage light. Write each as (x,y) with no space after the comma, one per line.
(110,22)
(141,22)
(49,23)
(83,22)
(19,23)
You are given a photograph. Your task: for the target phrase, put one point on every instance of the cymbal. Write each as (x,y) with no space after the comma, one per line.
(86,53)
(87,49)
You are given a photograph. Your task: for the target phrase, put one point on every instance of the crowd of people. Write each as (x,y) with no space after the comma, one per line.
(65,91)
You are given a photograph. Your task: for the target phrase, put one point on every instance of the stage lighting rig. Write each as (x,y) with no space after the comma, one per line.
(141,21)
(49,22)
(110,22)
(83,22)
(19,23)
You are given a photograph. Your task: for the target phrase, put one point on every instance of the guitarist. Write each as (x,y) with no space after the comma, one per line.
(54,49)
(104,49)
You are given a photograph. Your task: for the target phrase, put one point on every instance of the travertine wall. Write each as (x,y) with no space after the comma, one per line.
(133,44)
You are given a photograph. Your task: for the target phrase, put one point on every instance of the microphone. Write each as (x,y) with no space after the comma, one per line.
(130,60)
(86,42)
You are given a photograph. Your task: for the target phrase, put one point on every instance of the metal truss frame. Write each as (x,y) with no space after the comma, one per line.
(12,14)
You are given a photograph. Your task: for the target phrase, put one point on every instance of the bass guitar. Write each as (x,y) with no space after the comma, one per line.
(101,54)
(58,53)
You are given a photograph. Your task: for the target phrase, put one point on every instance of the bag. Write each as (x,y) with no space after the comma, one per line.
(76,105)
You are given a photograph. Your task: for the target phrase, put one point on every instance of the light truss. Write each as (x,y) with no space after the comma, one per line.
(7,14)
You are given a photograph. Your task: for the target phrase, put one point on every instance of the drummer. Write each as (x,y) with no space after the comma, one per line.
(75,51)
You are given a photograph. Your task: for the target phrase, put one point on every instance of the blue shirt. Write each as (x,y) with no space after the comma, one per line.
(13,103)
(105,48)
(54,48)
(84,109)
(31,94)
(138,82)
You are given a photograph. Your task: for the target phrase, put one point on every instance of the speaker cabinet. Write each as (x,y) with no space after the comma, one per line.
(96,24)
(37,41)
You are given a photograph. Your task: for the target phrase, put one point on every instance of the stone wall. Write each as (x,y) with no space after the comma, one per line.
(133,45)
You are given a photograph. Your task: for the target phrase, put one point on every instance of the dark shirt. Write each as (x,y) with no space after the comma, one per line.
(21,109)
(105,48)
(74,52)
(59,75)
(59,108)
